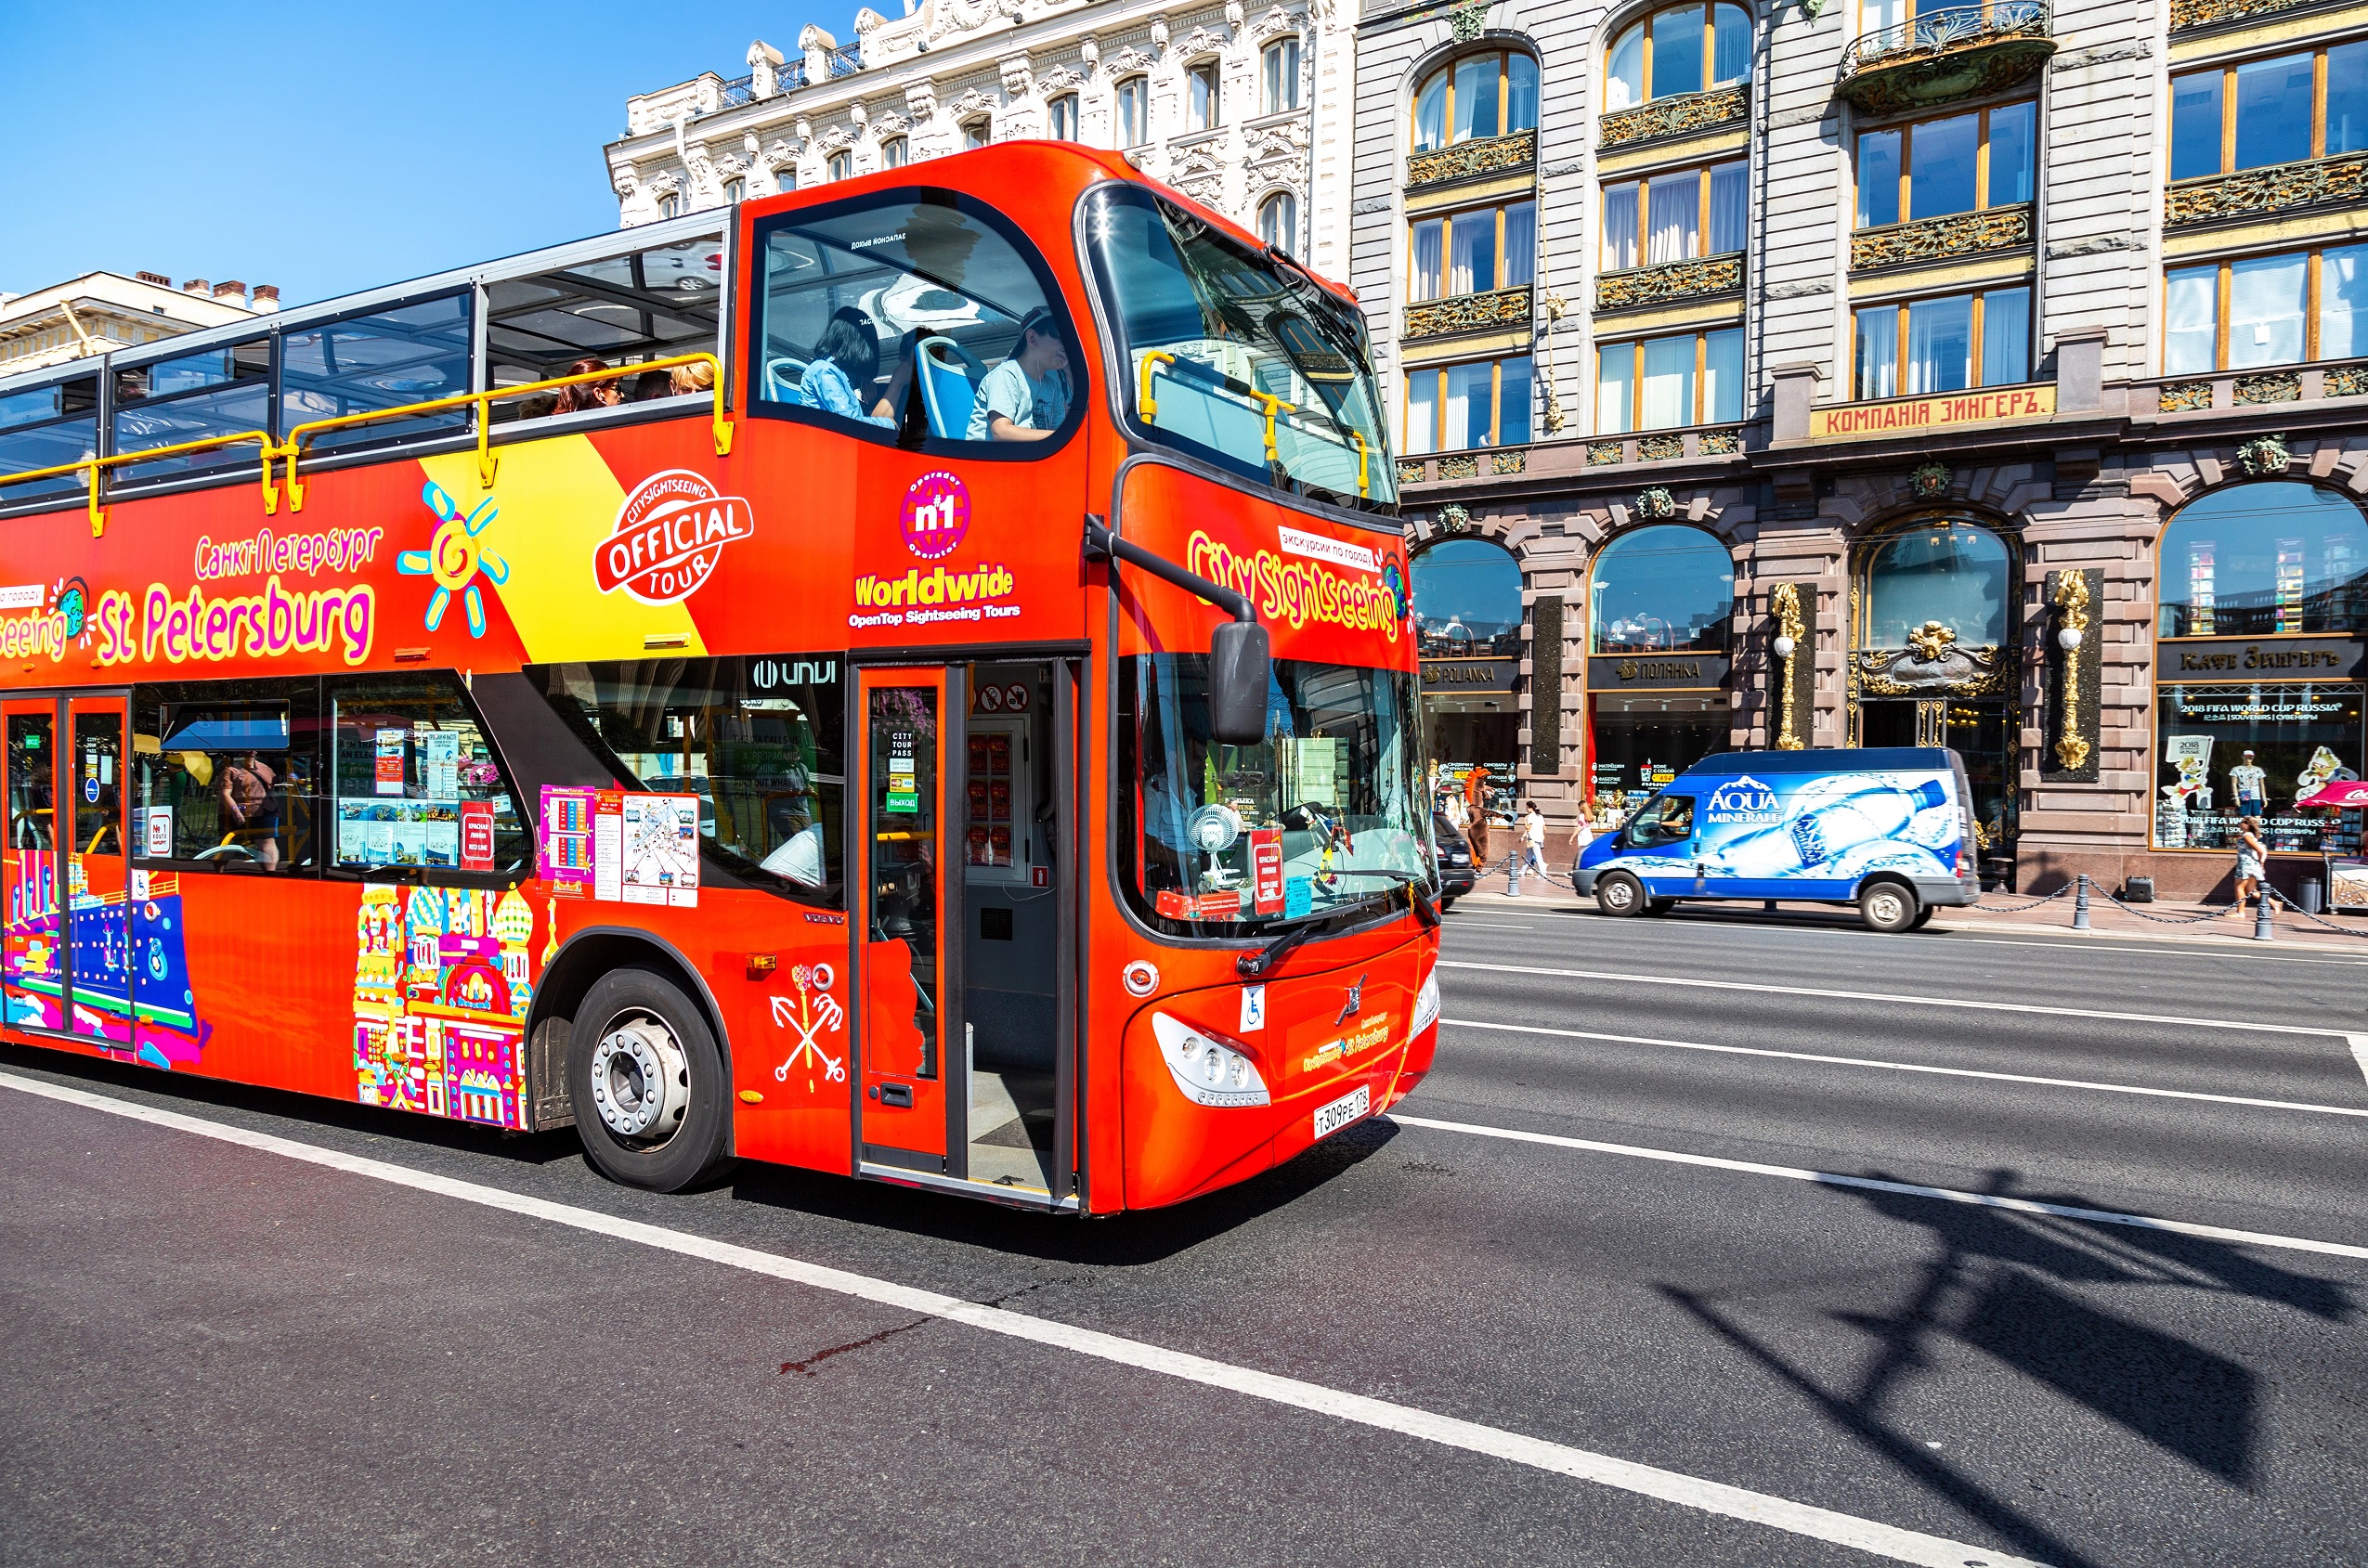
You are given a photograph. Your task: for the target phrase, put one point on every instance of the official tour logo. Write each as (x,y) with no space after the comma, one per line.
(669,534)
(936,515)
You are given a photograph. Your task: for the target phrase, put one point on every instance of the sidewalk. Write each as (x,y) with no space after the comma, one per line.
(1998,914)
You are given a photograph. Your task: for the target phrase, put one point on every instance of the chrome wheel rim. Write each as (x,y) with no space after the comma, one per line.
(641,1079)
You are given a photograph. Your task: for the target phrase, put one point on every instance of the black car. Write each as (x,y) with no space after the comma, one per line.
(1457,875)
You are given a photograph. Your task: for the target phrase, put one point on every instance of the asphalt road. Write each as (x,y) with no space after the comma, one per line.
(222,1353)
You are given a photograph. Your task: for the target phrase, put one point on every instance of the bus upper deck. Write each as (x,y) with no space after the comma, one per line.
(680,683)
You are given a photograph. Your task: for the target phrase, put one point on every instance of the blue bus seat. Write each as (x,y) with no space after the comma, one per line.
(782,375)
(950,378)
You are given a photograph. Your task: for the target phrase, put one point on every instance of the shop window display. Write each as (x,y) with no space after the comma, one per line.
(2230,751)
(1644,739)
(2264,560)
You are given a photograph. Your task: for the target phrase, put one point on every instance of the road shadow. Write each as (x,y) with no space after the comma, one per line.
(2002,1281)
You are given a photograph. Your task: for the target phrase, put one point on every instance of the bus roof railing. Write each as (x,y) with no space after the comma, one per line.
(293,449)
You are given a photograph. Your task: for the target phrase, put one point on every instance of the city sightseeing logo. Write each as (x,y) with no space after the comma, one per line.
(935,515)
(669,534)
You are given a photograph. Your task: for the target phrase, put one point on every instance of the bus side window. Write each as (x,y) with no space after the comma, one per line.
(222,775)
(923,321)
(414,781)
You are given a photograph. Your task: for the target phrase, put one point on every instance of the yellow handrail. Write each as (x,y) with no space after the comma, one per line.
(1362,456)
(1145,404)
(90,467)
(1274,406)
(484,401)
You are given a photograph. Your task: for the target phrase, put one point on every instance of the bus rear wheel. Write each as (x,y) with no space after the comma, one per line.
(648,1078)
(1620,894)
(1887,907)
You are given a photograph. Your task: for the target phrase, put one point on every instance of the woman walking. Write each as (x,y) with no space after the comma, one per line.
(2249,850)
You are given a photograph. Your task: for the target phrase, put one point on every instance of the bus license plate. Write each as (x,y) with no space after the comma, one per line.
(1330,1118)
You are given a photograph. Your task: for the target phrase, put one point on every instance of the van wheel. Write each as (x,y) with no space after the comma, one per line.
(651,1098)
(1659,906)
(1446,902)
(1620,894)
(1924,918)
(1887,907)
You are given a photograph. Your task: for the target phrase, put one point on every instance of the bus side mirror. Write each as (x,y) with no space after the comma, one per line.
(1239,673)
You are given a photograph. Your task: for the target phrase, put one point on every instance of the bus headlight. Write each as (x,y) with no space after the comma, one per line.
(1426,1002)
(1209,1069)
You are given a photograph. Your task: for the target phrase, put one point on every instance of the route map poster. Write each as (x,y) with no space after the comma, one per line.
(614,847)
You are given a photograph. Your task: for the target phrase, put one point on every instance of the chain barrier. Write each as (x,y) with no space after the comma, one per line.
(2297,909)
(2016,908)
(2175,919)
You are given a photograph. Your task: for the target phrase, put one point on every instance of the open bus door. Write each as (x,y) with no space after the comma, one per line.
(966,926)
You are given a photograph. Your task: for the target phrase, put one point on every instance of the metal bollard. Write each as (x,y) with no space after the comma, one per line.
(2263,932)
(2080,904)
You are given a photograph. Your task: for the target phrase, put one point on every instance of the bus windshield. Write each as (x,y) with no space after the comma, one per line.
(1319,818)
(1236,357)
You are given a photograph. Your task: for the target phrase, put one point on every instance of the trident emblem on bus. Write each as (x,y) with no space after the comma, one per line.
(814,1011)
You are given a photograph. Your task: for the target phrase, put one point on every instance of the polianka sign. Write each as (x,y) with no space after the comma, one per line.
(1470,675)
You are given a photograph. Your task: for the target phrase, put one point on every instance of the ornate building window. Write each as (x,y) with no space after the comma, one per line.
(735,190)
(2266,310)
(1661,384)
(1278,76)
(977,132)
(894,153)
(1061,118)
(1663,588)
(1132,104)
(785,178)
(2250,724)
(1673,216)
(1483,403)
(1682,49)
(1279,220)
(1204,106)
(1959,164)
(840,166)
(1474,253)
(670,205)
(1952,573)
(1476,98)
(2311,104)
(1942,344)
(1660,600)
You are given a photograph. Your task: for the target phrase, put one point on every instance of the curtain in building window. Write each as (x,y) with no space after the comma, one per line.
(1520,94)
(1520,262)
(2265,310)
(2190,319)
(1876,15)
(1422,412)
(1673,209)
(1878,351)
(1668,383)
(1471,260)
(1513,378)
(1940,344)
(1615,388)
(1430,242)
(1723,377)
(1477,112)
(1620,228)
(1471,396)
(2343,297)
(1430,115)
(1730,47)
(2006,337)
(1726,209)
(1624,76)
(1677,51)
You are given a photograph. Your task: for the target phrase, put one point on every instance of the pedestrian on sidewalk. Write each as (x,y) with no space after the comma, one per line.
(2249,850)
(1478,830)
(1530,849)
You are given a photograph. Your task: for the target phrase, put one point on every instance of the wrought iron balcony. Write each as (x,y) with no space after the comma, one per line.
(1956,52)
(1467,313)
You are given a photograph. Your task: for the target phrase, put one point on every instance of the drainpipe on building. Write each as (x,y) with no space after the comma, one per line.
(1315,81)
(75,322)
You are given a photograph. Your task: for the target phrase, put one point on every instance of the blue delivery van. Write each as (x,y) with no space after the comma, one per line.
(1888,829)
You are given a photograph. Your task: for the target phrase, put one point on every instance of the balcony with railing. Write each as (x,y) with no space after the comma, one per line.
(1941,56)
(1467,313)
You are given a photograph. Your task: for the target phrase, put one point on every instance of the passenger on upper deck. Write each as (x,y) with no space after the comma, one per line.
(846,362)
(588,395)
(1026,396)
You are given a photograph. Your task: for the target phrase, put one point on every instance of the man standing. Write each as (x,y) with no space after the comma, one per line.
(2247,782)
(1476,804)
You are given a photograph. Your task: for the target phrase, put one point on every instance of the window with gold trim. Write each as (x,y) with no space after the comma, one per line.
(2312,103)
(1473,253)
(1483,403)
(1474,97)
(2279,309)
(1666,382)
(1680,49)
(1956,163)
(1676,215)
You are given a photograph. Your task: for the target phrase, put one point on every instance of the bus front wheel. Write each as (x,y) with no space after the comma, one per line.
(1619,893)
(650,1093)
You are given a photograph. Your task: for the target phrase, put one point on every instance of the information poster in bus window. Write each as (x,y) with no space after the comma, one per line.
(661,842)
(477,835)
(608,811)
(391,751)
(564,844)
(157,832)
(1266,868)
(904,796)
(440,764)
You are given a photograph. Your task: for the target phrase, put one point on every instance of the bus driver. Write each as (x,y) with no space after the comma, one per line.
(1026,396)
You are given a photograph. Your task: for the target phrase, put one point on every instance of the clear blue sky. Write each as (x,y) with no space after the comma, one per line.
(330,146)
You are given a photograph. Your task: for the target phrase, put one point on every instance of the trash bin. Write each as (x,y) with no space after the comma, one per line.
(2137,890)
(2310,895)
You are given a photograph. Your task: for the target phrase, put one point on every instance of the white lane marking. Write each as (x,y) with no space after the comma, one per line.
(2360,1051)
(2078,946)
(2359,1046)
(1490,925)
(1686,1491)
(1909,1189)
(1892,997)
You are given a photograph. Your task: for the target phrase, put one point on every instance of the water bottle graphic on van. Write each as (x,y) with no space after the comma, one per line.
(1828,817)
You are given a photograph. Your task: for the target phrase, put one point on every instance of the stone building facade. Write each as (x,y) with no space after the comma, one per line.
(1242,106)
(2001,356)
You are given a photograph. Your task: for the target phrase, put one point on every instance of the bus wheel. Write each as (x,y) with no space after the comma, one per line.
(1620,894)
(1887,907)
(647,1080)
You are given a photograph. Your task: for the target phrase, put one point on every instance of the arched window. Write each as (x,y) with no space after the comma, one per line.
(733,190)
(2260,559)
(842,165)
(1467,601)
(1953,573)
(975,132)
(1666,588)
(785,178)
(1278,76)
(893,152)
(1278,219)
(1132,102)
(1474,97)
(669,206)
(1205,109)
(1682,49)
(1061,118)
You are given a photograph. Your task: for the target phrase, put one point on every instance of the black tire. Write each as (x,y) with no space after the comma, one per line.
(688,1141)
(1924,918)
(1446,902)
(1888,907)
(1617,893)
(1659,906)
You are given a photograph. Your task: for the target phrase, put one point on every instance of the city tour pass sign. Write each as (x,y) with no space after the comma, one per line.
(1994,409)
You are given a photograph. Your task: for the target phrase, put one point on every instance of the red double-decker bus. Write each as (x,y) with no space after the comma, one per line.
(913,679)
